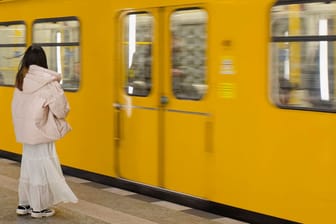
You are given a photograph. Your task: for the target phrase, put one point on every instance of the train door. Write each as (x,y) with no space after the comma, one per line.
(163,130)
(137,111)
(186,126)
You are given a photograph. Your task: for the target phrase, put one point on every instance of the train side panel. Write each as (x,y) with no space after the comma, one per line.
(89,146)
(267,159)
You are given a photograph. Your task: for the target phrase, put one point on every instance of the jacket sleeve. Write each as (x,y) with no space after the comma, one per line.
(59,105)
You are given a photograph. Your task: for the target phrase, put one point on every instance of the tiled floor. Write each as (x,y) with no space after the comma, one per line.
(100,204)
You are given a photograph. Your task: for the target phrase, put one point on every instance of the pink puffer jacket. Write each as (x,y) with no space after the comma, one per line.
(33,108)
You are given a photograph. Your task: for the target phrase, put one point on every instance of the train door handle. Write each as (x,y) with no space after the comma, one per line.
(117,117)
(164,100)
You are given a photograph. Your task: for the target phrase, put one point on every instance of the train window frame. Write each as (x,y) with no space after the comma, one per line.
(185,85)
(138,70)
(18,51)
(66,47)
(302,66)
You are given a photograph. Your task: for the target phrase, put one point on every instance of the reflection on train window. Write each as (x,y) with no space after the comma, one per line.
(138,29)
(303,56)
(59,37)
(12,47)
(188,53)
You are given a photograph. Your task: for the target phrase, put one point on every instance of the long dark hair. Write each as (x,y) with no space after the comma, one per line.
(34,55)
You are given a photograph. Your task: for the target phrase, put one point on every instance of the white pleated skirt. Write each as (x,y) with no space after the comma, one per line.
(41,182)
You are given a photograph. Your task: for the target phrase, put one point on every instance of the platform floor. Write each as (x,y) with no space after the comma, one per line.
(100,204)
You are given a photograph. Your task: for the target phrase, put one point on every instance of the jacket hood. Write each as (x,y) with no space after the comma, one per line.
(37,77)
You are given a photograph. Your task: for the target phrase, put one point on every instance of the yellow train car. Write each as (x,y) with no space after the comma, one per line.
(226,106)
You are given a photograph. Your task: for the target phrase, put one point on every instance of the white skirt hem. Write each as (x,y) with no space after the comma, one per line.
(41,182)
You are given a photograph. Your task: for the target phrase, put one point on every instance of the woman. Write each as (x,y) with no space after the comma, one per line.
(37,95)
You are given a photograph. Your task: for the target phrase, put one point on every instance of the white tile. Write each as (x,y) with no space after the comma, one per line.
(7,160)
(228,221)
(105,214)
(171,205)
(76,180)
(118,191)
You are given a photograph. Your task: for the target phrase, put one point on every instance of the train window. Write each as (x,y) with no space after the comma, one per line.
(303,55)
(59,37)
(12,47)
(188,53)
(137,35)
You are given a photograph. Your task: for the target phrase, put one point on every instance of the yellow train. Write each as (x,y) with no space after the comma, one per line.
(224,105)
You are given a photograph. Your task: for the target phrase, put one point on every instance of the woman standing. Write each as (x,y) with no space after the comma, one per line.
(38,98)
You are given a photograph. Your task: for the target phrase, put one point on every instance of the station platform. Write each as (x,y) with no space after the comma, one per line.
(100,204)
